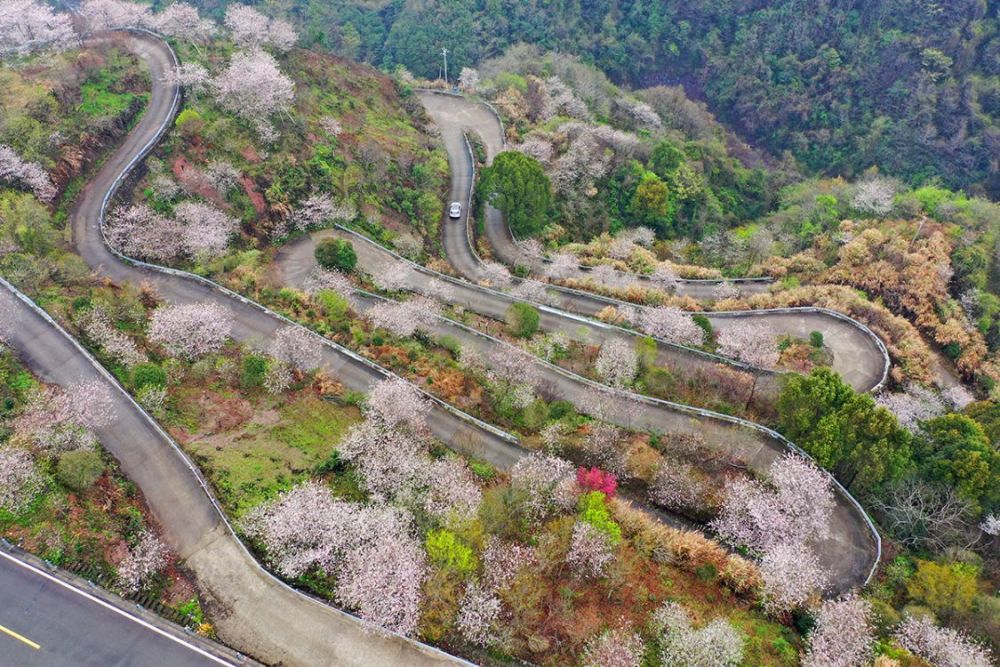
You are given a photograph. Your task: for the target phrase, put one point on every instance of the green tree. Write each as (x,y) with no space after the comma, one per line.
(847,433)
(522,319)
(650,203)
(593,507)
(954,450)
(446,551)
(79,470)
(336,255)
(517,185)
(948,590)
(145,375)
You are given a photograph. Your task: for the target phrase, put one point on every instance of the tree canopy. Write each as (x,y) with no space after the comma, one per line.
(517,185)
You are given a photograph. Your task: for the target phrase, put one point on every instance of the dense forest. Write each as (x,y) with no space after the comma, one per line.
(909,85)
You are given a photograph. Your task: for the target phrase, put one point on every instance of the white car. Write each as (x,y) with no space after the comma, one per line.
(455,210)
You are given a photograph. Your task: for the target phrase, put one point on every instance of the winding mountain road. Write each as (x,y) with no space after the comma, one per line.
(255,612)
(858,355)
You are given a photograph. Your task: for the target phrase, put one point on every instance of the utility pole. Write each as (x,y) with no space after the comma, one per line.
(444,52)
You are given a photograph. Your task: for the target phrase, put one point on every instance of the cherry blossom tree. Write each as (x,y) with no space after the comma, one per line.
(664,278)
(20,481)
(193,77)
(717,644)
(638,114)
(404,318)
(182,21)
(991,525)
(141,233)
(617,363)
(605,447)
(390,463)
(677,486)
(207,230)
(547,484)
(620,647)
(251,29)
(605,275)
(321,279)
(97,327)
(396,277)
(191,330)
(253,88)
(957,397)
(874,196)
(296,347)
(512,373)
(147,557)
(725,290)
(590,551)
(479,615)
(452,490)
(791,574)
(495,275)
(530,290)
(750,341)
(89,404)
(222,175)
(396,403)
(468,80)
(115,14)
(914,405)
(503,561)
(672,325)
(843,635)
(643,236)
(318,210)
(29,25)
(30,175)
(621,247)
(942,647)
(793,507)
(563,265)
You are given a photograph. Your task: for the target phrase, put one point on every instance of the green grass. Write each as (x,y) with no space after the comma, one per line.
(99,102)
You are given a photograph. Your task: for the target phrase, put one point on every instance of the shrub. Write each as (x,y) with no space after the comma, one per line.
(252,371)
(447,552)
(522,320)
(146,375)
(816,339)
(336,254)
(79,470)
(594,510)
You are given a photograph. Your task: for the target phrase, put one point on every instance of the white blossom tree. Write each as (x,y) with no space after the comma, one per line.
(144,559)
(98,328)
(395,403)
(495,275)
(725,290)
(468,80)
(914,405)
(843,635)
(717,644)
(750,341)
(590,551)
(207,230)
(404,318)
(182,21)
(191,330)
(942,647)
(193,77)
(115,14)
(29,25)
(563,265)
(791,574)
(619,647)
(617,363)
(874,196)
(672,325)
(141,233)
(297,347)
(251,29)
(546,483)
(20,481)
(664,278)
(253,87)
(479,615)
(318,210)
(30,175)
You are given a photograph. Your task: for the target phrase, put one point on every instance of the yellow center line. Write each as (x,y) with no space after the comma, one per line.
(20,638)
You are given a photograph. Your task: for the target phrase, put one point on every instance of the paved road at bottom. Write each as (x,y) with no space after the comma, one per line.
(47,623)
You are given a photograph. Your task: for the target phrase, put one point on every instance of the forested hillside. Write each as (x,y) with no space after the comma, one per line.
(909,85)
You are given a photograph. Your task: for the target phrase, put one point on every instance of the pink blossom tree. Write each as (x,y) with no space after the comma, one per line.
(512,374)
(20,481)
(141,233)
(672,325)
(30,175)
(253,88)
(843,635)
(503,561)
(395,403)
(144,559)
(791,574)
(479,615)
(182,21)
(318,210)
(912,406)
(404,318)
(495,275)
(546,483)
(677,486)
(115,14)
(297,347)
(391,464)
(28,25)
(942,647)
(595,479)
(751,341)
(617,363)
(619,647)
(191,330)
(590,551)
(452,491)
(207,230)
(717,644)
(251,29)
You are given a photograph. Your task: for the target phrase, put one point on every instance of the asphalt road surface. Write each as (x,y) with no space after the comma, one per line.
(45,622)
